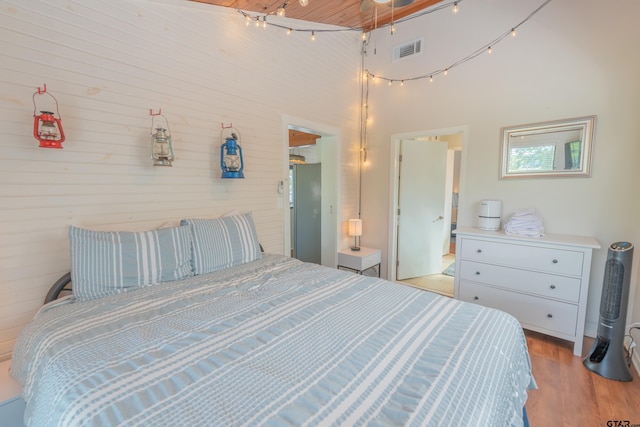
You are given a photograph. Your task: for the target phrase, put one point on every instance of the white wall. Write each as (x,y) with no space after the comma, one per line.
(108,63)
(574,58)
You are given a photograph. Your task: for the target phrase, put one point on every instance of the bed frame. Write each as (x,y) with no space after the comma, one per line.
(63,284)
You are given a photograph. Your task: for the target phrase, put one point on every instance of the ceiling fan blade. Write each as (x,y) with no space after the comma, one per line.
(400,3)
(366,5)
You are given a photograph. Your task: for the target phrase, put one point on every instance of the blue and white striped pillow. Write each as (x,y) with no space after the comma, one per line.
(109,262)
(223,242)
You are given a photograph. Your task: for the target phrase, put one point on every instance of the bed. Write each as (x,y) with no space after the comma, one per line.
(263,340)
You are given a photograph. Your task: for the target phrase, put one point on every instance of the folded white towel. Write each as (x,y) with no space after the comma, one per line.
(524,212)
(525,222)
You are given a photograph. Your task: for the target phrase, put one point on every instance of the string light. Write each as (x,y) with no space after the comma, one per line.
(489,50)
(281,10)
(486,48)
(393,27)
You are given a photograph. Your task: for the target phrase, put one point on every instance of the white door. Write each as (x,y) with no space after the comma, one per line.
(421,196)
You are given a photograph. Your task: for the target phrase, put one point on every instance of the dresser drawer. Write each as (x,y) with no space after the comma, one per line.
(538,312)
(531,282)
(556,261)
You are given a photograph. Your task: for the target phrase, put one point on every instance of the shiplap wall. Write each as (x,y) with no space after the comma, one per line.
(108,64)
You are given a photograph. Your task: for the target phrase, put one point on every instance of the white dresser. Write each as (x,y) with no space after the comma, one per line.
(543,282)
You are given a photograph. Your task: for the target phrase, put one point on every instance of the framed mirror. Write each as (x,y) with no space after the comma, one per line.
(560,148)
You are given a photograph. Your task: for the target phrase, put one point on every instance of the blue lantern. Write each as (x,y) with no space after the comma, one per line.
(231,160)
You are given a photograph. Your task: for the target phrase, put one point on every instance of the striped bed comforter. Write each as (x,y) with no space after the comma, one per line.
(273,342)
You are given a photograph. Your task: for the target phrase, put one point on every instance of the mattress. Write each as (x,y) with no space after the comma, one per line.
(274,342)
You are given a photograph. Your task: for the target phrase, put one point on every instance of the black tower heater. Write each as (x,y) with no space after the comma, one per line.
(607,357)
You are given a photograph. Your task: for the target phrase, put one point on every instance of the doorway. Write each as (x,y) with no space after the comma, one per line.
(326,154)
(425,169)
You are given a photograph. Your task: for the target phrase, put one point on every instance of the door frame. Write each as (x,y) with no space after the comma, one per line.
(331,184)
(394,168)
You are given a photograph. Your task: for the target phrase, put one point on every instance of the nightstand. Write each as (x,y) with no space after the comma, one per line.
(11,402)
(361,260)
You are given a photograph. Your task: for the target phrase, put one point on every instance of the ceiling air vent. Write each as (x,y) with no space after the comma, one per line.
(407,50)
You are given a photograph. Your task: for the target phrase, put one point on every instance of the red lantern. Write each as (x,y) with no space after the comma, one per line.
(46,127)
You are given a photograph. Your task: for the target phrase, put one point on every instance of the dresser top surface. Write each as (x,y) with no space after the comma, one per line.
(556,239)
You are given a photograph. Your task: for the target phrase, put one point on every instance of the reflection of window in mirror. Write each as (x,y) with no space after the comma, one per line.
(545,151)
(531,158)
(572,155)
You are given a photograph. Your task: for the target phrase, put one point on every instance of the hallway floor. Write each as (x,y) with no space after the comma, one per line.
(439,283)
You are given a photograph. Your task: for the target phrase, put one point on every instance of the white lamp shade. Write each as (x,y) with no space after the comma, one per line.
(355,227)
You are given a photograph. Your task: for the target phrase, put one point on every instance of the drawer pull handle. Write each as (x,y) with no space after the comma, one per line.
(477,273)
(479,251)
(555,261)
(552,286)
(549,315)
(476,298)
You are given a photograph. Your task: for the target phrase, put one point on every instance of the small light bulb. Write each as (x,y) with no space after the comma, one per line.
(364,36)
(390,81)
(430,79)
(280,11)
(257,21)
(446,71)
(402,83)
(304,3)
(455,7)
(264,22)
(313,35)
(289,31)
(514,32)
(489,50)
(247,20)
(393,29)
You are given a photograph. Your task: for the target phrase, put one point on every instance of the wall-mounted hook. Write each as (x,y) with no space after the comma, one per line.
(226,127)
(41,91)
(151,113)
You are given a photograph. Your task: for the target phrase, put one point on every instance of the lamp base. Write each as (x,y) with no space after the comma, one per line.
(355,248)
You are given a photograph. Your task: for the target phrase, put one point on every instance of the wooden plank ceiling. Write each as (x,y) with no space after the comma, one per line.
(299,139)
(345,13)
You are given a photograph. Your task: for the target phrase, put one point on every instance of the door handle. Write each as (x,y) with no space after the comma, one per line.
(440,218)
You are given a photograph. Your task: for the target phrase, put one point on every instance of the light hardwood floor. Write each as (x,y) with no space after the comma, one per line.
(438,283)
(571,395)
